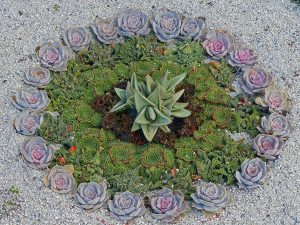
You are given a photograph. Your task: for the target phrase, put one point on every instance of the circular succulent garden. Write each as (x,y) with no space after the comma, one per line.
(151,111)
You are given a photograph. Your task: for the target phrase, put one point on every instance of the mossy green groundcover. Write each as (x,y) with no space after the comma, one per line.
(99,144)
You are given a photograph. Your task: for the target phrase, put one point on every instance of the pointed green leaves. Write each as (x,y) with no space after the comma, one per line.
(155,102)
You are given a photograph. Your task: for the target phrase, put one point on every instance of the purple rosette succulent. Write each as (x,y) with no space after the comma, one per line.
(28,122)
(91,196)
(36,153)
(242,57)
(218,43)
(192,28)
(275,124)
(253,173)
(133,22)
(53,56)
(268,146)
(210,197)
(31,98)
(276,100)
(126,206)
(167,205)
(166,25)
(38,77)
(106,30)
(77,39)
(256,80)
(60,179)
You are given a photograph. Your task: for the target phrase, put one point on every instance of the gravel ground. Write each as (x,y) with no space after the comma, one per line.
(271,27)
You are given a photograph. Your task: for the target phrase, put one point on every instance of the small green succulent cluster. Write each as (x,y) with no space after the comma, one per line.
(155,102)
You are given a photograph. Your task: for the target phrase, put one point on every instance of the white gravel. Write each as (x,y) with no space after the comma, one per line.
(271,27)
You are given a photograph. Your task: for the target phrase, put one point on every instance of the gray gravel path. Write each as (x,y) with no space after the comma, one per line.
(271,27)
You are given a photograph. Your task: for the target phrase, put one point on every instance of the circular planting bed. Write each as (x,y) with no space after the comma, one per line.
(150,114)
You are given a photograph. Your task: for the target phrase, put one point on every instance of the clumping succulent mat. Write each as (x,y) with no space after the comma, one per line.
(150,114)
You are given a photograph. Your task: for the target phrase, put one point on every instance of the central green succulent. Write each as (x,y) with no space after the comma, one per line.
(155,103)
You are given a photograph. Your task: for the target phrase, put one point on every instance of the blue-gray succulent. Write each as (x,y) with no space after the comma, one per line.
(218,43)
(256,80)
(28,122)
(60,179)
(167,205)
(210,197)
(106,30)
(53,56)
(275,124)
(192,28)
(166,25)
(36,152)
(126,206)
(92,195)
(133,22)
(77,39)
(38,77)
(31,98)
(253,173)
(268,146)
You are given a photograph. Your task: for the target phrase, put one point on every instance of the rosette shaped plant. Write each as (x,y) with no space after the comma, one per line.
(166,25)
(28,122)
(192,28)
(268,146)
(53,56)
(256,80)
(155,102)
(210,197)
(36,153)
(218,43)
(77,39)
(37,77)
(91,195)
(275,124)
(133,22)
(242,57)
(60,179)
(167,205)
(126,206)
(253,173)
(31,98)
(106,30)
(276,100)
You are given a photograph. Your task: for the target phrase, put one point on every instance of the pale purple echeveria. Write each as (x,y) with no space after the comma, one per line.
(60,179)
(268,146)
(36,152)
(275,124)
(126,206)
(210,197)
(53,56)
(253,173)
(218,43)
(133,22)
(276,100)
(28,122)
(167,205)
(256,80)
(38,77)
(106,30)
(77,39)
(31,98)
(166,25)
(91,196)
(192,28)
(242,57)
